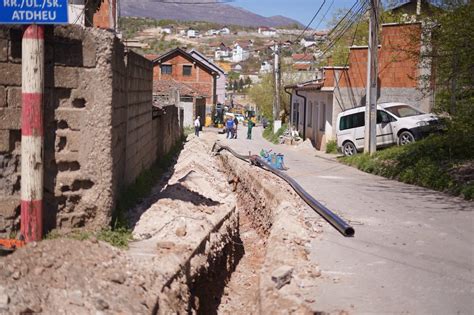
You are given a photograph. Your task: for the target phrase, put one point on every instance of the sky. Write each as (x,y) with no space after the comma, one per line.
(300,10)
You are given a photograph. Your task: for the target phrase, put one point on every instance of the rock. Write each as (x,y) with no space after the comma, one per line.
(101,305)
(94,240)
(282,276)
(165,245)
(38,271)
(117,278)
(207,210)
(16,275)
(4,298)
(75,297)
(181,231)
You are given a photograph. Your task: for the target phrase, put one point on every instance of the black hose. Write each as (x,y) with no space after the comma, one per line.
(338,223)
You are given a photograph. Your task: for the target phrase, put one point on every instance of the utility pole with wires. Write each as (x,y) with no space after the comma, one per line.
(370,139)
(276,98)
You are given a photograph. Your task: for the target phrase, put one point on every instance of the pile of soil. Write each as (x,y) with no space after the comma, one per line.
(75,277)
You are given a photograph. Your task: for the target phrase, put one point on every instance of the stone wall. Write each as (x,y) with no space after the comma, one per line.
(96,95)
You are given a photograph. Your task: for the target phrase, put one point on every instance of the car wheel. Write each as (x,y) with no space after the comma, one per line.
(348,148)
(405,137)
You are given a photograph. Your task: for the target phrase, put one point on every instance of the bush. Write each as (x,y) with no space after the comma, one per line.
(331,147)
(274,137)
(430,163)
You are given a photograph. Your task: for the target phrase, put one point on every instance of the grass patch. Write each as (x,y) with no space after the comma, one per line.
(331,147)
(119,237)
(274,137)
(432,163)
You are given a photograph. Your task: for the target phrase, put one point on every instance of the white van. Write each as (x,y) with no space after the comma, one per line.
(397,123)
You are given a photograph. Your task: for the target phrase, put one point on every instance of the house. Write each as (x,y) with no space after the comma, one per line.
(315,104)
(224,31)
(188,98)
(302,62)
(237,68)
(183,67)
(222,52)
(107,15)
(240,52)
(267,31)
(212,32)
(167,29)
(266,67)
(307,41)
(221,74)
(192,33)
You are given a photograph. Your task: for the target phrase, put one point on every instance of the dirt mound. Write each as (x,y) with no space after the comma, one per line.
(74,277)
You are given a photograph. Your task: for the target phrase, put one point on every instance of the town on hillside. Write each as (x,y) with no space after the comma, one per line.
(236,157)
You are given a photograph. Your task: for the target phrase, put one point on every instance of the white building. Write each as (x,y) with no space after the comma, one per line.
(307,42)
(266,67)
(267,31)
(192,33)
(167,29)
(239,53)
(224,31)
(212,32)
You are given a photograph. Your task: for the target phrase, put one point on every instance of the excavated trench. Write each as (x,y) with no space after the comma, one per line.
(252,258)
(216,236)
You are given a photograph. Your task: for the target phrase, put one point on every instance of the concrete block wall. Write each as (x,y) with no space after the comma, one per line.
(141,150)
(87,119)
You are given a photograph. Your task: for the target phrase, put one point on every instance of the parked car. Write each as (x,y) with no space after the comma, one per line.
(397,123)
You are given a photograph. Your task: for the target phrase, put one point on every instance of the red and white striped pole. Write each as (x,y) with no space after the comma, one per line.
(32,134)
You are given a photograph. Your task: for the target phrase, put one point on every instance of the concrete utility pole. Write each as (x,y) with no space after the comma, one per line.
(276,98)
(32,133)
(370,139)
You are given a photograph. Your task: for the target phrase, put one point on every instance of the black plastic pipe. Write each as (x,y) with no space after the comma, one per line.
(338,223)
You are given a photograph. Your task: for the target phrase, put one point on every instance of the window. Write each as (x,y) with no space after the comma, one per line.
(309,118)
(383,117)
(403,111)
(166,69)
(352,121)
(187,70)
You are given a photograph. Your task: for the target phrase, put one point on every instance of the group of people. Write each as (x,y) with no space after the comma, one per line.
(231,126)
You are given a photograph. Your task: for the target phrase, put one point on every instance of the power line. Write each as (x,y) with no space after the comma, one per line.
(341,33)
(310,22)
(324,16)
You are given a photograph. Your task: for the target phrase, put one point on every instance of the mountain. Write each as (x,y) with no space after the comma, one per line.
(216,13)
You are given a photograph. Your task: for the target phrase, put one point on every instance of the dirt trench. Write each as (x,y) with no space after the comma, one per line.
(211,239)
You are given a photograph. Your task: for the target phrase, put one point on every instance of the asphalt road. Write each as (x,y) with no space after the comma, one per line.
(413,250)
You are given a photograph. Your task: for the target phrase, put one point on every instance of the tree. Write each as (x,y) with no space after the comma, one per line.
(241,84)
(248,81)
(236,85)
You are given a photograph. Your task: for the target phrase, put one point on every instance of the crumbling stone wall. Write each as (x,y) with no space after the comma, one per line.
(87,80)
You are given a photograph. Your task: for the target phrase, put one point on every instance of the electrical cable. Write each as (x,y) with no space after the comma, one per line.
(310,22)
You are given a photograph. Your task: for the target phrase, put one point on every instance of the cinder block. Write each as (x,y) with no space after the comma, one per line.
(10,74)
(66,77)
(14,99)
(3,50)
(10,118)
(4,141)
(89,51)
(73,117)
(3,97)
(9,207)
